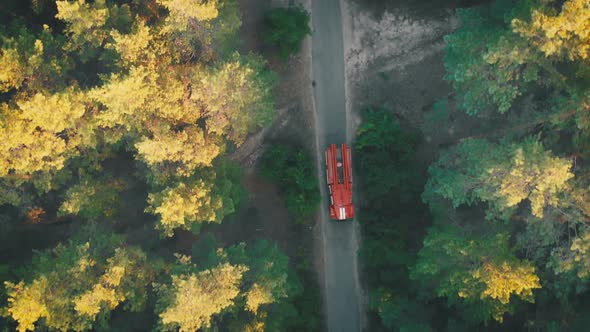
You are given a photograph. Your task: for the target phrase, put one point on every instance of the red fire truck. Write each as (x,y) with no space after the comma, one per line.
(339,178)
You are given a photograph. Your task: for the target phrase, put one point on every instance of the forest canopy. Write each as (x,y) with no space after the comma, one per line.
(498,238)
(116,118)
(161,90)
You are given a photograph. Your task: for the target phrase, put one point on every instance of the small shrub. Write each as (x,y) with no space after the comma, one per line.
(286,28)
(294,172)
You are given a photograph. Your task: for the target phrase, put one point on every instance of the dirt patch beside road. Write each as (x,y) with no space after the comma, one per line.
(394,59)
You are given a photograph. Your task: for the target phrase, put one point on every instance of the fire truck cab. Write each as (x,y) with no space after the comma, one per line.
(339,178)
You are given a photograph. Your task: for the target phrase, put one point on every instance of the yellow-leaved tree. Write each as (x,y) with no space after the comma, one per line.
(30,306)
(564,35)
(89,24)
(233,98)
(142,80)
(26,150)
(32,59)
(479,272)
(503,175)
(253,279)
(40,134)
(72,284)
(502,280)
(131,47)
(182,12)
(268,284)
(179,152)
(176,111)
(534,174)
(92,197)
(206,197)
(190,301)
(185,204)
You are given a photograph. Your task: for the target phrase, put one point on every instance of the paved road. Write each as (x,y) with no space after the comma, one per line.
(339,239)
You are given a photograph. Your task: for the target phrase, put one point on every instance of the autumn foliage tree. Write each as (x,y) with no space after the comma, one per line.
(93,197)
(115,102)
(70,286)
(32,59)
(268,279)
(510,49)
(509,209)
(159,90)
(561,34)
(244,280)
(191,300)
(480,274)
(502,175)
